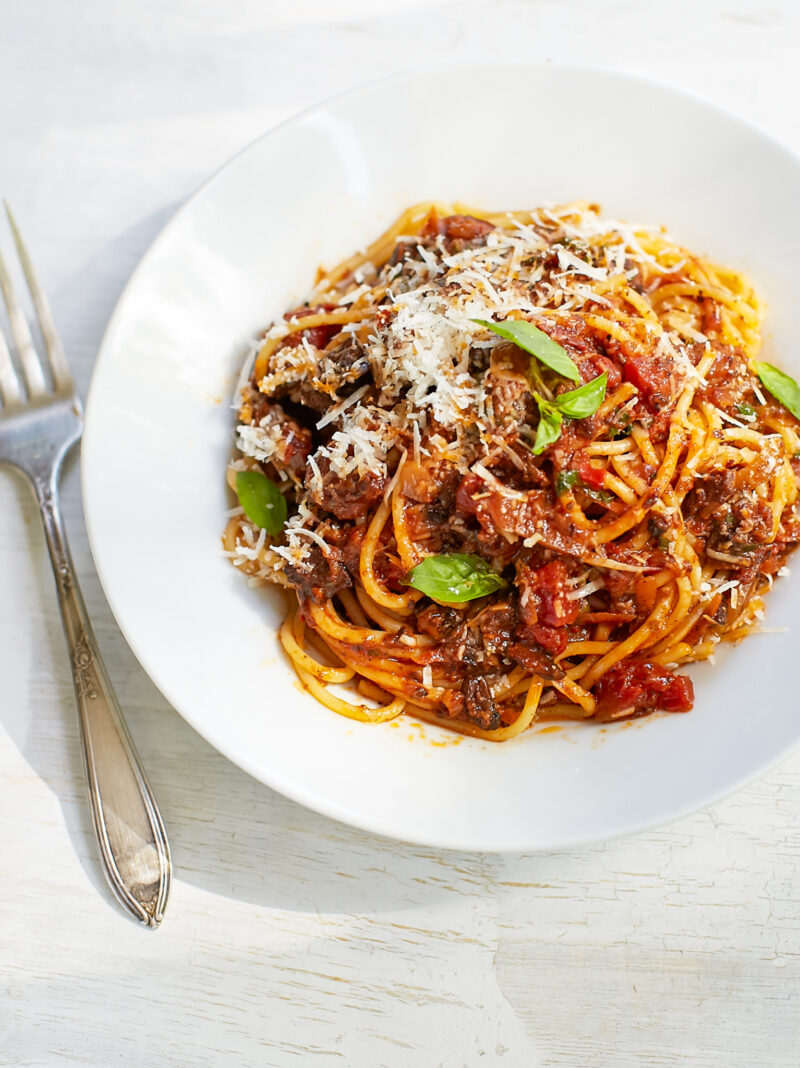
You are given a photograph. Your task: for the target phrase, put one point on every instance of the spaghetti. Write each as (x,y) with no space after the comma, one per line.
(599,528)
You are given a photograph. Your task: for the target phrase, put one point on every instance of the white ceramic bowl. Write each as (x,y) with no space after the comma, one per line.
(159,433)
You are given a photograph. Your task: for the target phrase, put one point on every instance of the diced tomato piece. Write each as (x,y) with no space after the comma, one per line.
(553,639)
(318,336)
(543,600)
(648,375)
(590,475)
(465,227)
(455,227)
(640,686)
(594,364)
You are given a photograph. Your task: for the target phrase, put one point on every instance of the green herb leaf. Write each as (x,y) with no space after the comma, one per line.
(454,577)
(780,385)
(571,479)
(262,501)
(745,409)
(549,429)
(566,480)
(601,495)
(536,342)
(620,429)
(583,401)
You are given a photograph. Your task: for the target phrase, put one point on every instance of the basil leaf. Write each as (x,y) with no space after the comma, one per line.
(566,480)
(536,342)
(549,429)
(745,409)
(262,501)
(583,401)
(454,577)
(780,385)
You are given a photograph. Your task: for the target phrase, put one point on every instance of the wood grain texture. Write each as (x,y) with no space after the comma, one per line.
(291,939)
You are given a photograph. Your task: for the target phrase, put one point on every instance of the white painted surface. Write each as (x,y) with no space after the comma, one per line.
(290,939)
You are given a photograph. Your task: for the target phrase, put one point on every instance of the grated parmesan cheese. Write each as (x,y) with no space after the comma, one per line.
(566,259)
(585,591)
(333,413)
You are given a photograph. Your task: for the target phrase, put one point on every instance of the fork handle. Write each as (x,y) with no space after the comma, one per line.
(133,843)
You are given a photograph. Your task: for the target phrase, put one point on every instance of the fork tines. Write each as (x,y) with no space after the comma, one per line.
(35,383)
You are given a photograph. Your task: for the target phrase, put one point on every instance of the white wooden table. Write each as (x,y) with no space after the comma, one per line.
(290,939)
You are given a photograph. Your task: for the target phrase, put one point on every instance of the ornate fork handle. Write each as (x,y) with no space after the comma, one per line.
(133,842)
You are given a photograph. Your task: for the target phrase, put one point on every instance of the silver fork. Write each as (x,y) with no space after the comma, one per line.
(37,428)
